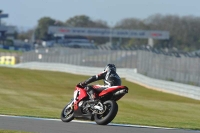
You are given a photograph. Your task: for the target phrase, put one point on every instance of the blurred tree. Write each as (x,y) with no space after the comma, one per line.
(99,24)
(79,21)
(59,23)
(132,24)
(42,28)
(25,35)
(184,31)
(85,21)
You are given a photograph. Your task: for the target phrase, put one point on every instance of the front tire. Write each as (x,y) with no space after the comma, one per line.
(67,113)
(108,115)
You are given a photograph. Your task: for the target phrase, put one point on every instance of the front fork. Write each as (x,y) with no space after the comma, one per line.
(70,105)
(76,94)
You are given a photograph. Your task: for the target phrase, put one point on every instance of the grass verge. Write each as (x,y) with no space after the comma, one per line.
(12,131)
(44,94)
(10,51)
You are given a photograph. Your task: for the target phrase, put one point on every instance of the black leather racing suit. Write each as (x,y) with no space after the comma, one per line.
(110,77)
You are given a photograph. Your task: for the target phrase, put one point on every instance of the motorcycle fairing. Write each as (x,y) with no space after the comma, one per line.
(79,94)
(112,89)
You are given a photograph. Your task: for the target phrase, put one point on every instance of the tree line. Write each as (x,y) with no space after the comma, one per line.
(184,31)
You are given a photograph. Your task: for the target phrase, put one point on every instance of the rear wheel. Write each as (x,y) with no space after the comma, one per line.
(67,113)
(108,115)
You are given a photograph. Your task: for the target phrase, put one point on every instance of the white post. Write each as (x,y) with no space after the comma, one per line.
(150,42)
(110,36)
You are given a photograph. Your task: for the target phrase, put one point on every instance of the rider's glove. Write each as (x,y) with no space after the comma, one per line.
(83,84)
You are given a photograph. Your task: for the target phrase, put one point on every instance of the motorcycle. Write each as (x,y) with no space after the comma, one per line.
(102,111)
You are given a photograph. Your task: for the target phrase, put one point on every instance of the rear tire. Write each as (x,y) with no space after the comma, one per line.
(67,113)
(109,115)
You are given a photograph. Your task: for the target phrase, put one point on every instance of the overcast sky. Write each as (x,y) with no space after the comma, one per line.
(26,13)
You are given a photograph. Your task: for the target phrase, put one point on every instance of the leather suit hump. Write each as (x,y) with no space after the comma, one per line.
(112,79)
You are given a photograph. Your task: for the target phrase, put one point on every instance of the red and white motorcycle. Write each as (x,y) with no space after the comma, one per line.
(102,111)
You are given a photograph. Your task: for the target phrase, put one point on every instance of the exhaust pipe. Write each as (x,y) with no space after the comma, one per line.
(121,92)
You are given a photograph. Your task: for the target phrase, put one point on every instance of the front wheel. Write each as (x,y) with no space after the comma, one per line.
(108,115)
(67,113)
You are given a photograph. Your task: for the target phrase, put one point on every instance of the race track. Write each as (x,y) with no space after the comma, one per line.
(40,125)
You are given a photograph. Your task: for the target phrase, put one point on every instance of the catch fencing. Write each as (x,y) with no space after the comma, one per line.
(170,67)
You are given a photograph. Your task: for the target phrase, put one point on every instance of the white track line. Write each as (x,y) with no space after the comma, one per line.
(78,121)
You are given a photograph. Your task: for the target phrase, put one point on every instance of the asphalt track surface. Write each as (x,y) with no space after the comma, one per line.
(39,125)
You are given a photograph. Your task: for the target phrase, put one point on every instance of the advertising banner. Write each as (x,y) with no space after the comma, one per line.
(102,32)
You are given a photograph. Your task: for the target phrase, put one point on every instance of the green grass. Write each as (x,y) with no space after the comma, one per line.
(12,131)
(44,94)
(10,51)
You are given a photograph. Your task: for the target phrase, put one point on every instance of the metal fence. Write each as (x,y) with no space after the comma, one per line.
(180,68)
(17,57)
(10,54)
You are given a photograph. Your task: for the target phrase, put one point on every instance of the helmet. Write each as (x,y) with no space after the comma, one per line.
(110,67)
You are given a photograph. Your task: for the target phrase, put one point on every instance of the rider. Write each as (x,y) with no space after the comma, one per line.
(110,77)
